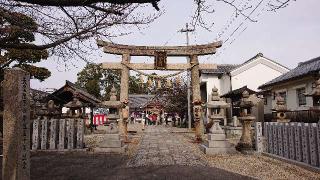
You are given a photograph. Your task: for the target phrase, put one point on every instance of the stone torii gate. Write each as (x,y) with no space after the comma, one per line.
(160,53)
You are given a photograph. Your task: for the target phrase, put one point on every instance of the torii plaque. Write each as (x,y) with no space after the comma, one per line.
(160,53)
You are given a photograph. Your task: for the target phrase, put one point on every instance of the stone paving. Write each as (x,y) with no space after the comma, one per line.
(159,146)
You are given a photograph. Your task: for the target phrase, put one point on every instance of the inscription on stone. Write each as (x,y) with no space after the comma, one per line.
(70,131)
(312,144)
(297,143)
(270,143)
(259,143)
(16,125)
(280,139)
(285,140)
(291,141)
(80,133)
(35,134)
(62,132)
(53,134)
(44,131)
(305,143)
(275,138)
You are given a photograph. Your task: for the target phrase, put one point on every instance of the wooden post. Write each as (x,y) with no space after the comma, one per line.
(16,125)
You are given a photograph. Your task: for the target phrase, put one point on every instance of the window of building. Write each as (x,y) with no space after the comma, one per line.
(301,97)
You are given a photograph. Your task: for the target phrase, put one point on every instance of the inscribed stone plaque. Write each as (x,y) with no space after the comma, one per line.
(318,142)
(44,133)
(285,140)
(305,143)
(270,140)
(292,154)
(297,141)
(80,133)
(70,133)
(280,139)
(62,132)
(53,134)
(35,134)
(16,125)
(312,144)
(258,133)
(275,137)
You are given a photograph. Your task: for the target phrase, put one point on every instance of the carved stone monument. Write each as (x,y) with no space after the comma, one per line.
(245,143)
(216,143)
(111,141)
(16,125)
(281,109)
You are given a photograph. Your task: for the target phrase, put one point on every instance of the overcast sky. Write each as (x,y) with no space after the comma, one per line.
(288,36)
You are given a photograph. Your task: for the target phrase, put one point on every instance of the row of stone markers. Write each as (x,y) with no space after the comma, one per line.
(57,134)
(295,141)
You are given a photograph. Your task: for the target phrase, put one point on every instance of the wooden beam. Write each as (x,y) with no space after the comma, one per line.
(144,66)
(121,49)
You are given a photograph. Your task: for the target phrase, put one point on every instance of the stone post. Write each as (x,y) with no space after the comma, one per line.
(196,97)
(124,93)
(16,125)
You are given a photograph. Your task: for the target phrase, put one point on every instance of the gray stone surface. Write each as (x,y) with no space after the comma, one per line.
(285,131)
(212,137)
(270,138)
(62,134)
(258,137)
(297,141)
(16,125)
(292,151)
(318,142)
(313,144)
(217,144)
(160,147)
(53,134)
(305,143)
(275,137)
(35,134)
(70,133)
(44,133)
(80,133)
(280,139)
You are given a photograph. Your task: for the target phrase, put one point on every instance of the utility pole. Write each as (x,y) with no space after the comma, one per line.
(187,30)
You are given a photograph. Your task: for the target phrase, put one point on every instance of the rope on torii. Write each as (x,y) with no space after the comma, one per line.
(158,76)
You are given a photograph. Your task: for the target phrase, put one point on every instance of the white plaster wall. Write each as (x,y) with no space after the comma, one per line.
(292,99)
(224,84)
(254,77)
(268,107)
(211,82)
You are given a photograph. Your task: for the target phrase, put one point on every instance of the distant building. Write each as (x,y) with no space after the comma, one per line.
(293,86)
(231,80)
(252,73)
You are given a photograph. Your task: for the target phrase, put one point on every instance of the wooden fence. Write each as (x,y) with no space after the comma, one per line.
(57,134)
(295,141)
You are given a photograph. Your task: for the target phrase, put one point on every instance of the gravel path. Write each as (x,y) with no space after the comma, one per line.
(161,147)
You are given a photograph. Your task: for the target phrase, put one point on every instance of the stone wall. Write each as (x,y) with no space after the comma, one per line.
(57,134)
(295,141)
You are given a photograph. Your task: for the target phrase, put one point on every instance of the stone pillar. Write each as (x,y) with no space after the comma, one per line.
(16,125)
(53,134)
(62,134)
(35,134)
(196,96)
(124,92)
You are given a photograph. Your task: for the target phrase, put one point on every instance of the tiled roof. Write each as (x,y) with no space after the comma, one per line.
(137,101)
(305,68)
(221,69)
(238,92)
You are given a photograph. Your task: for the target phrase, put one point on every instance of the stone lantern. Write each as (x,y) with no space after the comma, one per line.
(315,94)
(111,141)
(281,109)
(245,143)
(216,142)
(75,108)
